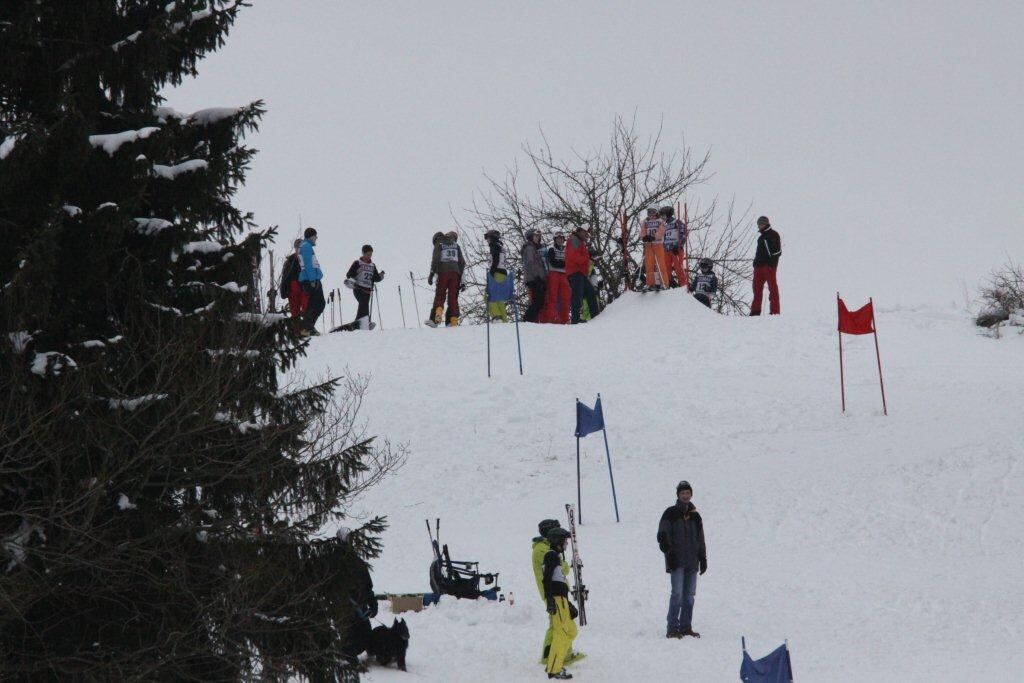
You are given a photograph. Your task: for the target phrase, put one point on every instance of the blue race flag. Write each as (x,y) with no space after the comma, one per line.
(772,668)
(589,420)
(499,291)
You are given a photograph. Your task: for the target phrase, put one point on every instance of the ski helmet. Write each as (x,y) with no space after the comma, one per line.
(367,248)
(683,486)
(547,525)
(557,536)
(529,234)
(762,222)
(667,211)
(559,236)
(652,211)
(705,264)
(451,233)
(492,234)
(437,236)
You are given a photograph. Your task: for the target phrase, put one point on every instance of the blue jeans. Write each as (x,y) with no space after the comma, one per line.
(680,601)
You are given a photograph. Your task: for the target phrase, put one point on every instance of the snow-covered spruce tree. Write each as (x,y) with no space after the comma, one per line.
(159,491)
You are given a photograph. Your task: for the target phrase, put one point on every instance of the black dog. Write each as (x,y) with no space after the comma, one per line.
(390,644)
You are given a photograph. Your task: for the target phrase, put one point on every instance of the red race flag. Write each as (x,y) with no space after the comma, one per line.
(861,321)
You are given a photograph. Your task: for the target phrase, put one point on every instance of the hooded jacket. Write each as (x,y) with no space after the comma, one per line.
(533,262)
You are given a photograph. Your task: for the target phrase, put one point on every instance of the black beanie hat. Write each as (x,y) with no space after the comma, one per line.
(366,248)
(683,486)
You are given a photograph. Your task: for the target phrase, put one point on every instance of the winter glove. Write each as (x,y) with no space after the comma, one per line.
(494,271)
(573,612)
(647,238)
(703,566)
(552,608)
(380,276)
(462,288)
(430,279)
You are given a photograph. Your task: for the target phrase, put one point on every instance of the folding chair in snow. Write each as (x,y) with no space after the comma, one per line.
(772,668)
(459,578)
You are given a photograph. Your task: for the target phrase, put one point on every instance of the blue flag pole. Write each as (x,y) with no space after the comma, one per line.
(608,455)
(515,309)
(579,501)
(487,317)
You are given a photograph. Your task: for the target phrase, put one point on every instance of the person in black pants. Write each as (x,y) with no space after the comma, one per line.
(361,277)
(535,275)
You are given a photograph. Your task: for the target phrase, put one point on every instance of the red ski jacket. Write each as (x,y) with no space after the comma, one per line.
(577,257)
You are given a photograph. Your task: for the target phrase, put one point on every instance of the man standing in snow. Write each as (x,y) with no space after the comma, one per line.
(309,280)
(557,292)
(447,263)
(361,277)
(577,268)
(534,275)
(361,599)
(291,289)
(681,538)
(766,263)
(556,595)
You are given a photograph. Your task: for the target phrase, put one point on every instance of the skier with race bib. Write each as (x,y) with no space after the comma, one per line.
(361,278)
(558,295)
(676,232)
(498,273)
(705,283)
(652,234)
(447,264)
(561,611)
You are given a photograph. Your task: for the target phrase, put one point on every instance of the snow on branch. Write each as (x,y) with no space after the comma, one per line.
(151,226)
(134,403)
(52,361)
(203,247)
(112,142)
(129,39)
(7,146)
(172,172)
(265,319)
(19,340)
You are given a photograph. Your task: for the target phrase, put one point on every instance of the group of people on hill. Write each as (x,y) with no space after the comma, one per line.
(302,286)
(560,278)
(680,538)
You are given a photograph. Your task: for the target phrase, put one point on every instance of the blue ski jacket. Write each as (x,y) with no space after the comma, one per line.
(310,265)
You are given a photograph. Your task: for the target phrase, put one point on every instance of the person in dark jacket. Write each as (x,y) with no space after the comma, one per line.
(447,263)
(291,289)
(535,275)
(766,263)
(361,600)
(681,538)
(361,278)
(705,283)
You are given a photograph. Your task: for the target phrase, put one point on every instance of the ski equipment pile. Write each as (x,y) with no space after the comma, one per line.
(579,591)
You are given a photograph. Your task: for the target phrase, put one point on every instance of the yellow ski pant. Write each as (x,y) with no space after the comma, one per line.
(563,632)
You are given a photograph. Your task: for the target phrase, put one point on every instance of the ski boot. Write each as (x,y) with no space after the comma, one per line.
(437,318)
(562,675)
(453,321)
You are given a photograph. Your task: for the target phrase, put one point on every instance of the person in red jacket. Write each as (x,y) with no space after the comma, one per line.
(577,270)
(766,263)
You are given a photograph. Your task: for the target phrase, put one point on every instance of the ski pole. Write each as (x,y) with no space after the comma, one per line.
(376,295)
(515,310)
(401,303)
(416,303)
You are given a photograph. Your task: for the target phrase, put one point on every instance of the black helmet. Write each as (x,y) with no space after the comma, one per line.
(763,222)
(557,535)
(530,233)
(705,264)
(367,248)
(666,211)
(547,525)
(492,234)
(309,232)
(436,237)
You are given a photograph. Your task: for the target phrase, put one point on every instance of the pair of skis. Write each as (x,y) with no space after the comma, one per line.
(579,592)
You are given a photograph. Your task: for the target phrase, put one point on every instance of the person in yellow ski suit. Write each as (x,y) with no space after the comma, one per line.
(540,549)
(561,611)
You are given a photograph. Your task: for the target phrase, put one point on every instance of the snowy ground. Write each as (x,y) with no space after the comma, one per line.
(883,548)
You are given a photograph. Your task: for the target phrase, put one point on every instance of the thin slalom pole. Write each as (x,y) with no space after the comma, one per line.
(608,455)
(401,303)
(842,378)
(376,295)
(515,310)
(487,318)
(579,488)
(878,355)
(415,302)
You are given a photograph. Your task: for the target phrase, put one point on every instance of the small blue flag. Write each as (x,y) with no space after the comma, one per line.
(499,291)
(589,420)
(772,668)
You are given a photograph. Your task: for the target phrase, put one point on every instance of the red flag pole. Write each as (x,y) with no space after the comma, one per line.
(685,247)
(842,378)
(625,254)
(878,355)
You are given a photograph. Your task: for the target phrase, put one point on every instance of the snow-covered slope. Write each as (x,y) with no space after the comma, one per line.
(883,548)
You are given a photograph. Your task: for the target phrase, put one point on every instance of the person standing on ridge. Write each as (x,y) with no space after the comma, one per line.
(310,277)
(558,293)
(561,611)
(497,271)
(676,232)
(447,263)
(652,234)
(577,269)
(705,283)
(766,263)
(291,289)
(535,275)
(681,539)
(361,278)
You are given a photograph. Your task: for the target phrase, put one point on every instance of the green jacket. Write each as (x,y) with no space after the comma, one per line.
(540,549)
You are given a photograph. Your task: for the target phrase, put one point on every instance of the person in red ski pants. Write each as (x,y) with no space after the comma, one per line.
(766,264)
(556,300)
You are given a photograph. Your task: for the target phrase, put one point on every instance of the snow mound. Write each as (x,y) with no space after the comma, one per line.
(882,548)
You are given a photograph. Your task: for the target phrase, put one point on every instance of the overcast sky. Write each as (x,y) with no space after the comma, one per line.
(885,140)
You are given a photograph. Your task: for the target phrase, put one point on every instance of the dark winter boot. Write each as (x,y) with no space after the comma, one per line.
(562,675)
(689,632)
(673,633)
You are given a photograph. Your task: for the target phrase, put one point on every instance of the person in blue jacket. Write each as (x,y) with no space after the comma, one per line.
(310,277)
